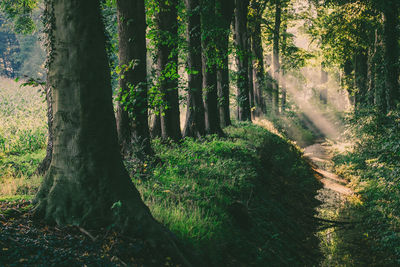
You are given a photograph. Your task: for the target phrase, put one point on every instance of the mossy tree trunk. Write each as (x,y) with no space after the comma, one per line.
(87,176)
(195,120)
(45,163)
(132,108)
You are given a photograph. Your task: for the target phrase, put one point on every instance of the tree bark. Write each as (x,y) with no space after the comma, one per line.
(167,65)
(276,63)
(209,54)
(45,164)
(258,67)
(379,75)
(224,10)
(195,120)
(242,59)
(132,108)
(251,83)
(87,184)
(391,50)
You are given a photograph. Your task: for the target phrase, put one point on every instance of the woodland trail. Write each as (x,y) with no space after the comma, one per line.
(321,161)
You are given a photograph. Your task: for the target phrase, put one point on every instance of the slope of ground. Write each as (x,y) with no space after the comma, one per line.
(244,200)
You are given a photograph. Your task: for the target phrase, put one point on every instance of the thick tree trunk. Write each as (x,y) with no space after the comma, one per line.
(242,60)
(45,164)
(275,56)
(132,112)
(224,10)
(86,176)
(195,120)
(391,49)
(167,65)
(258,68)
(87,184)
(209,54)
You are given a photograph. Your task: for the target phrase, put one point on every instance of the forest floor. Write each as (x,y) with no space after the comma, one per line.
(334,195)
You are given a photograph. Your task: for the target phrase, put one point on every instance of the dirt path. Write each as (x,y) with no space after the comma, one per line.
(321,161)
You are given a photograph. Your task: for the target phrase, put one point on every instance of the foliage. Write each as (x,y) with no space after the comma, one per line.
(373,170)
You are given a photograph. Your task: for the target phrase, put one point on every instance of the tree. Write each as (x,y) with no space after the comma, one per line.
(391,52)
(167,67)
(242,59)
(275,57)
(87,184)
(224,13)
(255,17)
(132,111)
(195,120)
(9,49)
(209,58)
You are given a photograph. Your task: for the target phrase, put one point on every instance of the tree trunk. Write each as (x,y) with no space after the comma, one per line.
(251,80)
(361,72)
(132,109)
(224,10)
(391,50)
(379,75)
(209,54)
(167,65)
(156,126)
(223,83)
(195,120)
(87,184)
(242,60)
(283,81)
(45,164)
(276,63)
(258,68)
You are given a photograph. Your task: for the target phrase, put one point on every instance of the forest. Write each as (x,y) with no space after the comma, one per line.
(199,133)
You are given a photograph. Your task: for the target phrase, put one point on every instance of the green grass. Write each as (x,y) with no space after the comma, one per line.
(22,118)
(247,199)
(205,190)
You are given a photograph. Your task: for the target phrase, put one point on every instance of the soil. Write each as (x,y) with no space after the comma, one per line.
(27,242)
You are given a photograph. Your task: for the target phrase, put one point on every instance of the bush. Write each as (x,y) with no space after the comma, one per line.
(374,172)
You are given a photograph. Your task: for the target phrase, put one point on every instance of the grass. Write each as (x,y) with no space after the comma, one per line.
(22,118)
(247,199)
(22,137)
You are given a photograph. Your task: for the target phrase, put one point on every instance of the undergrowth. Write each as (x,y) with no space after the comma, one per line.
(247,199)
(373,169)
(23,134)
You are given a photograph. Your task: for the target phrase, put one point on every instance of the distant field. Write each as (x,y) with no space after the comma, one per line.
(22,118)
(23,137)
